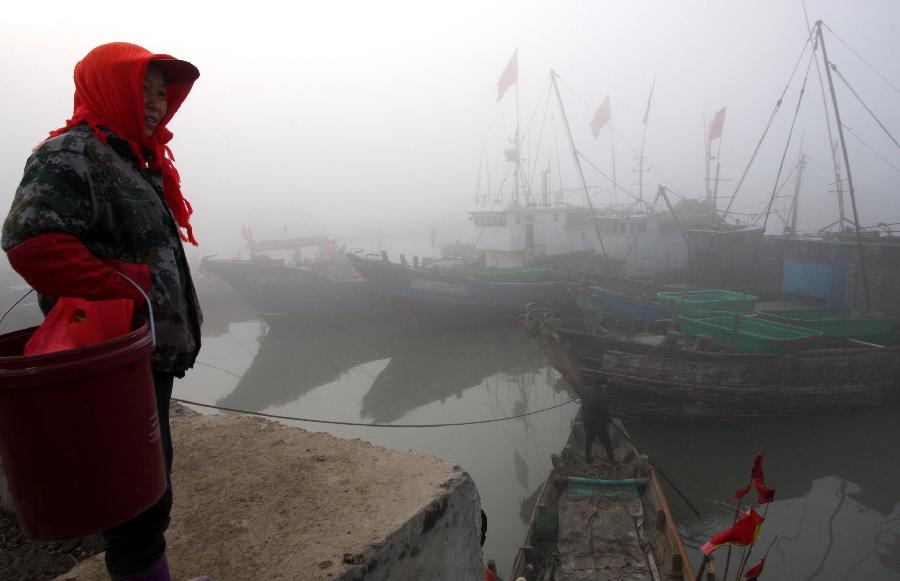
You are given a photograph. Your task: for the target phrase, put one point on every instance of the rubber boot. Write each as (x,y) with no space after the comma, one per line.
(158,571)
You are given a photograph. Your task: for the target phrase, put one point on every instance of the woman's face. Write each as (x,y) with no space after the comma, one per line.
(155,105)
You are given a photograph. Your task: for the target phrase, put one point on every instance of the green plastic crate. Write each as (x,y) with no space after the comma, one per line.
(749,333)
(709,300)
(835,322)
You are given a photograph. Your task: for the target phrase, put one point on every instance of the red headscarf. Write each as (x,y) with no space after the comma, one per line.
(109,92)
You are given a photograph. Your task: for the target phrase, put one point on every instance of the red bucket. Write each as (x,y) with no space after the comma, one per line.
(79,434)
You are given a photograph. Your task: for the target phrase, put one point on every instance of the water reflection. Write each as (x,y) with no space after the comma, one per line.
(429,364)
(837,513)
(296,357)
(26,313)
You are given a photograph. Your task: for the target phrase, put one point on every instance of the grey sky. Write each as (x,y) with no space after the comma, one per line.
(341,117)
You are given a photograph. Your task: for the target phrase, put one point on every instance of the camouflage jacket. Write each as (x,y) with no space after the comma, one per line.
(75,184)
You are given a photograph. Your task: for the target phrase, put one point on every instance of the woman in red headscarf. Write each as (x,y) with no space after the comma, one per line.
(100,198)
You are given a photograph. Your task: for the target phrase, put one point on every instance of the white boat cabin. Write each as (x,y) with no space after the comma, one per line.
(647,245)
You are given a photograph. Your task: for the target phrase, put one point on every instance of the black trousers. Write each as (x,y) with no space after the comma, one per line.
(599,431)
(135,545)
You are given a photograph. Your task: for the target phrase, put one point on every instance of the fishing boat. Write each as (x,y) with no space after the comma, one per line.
(466,292)
(299,277)
(666,374)
(601,520)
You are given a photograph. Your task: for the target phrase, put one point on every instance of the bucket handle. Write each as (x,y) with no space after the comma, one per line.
(134,284)
(147,302)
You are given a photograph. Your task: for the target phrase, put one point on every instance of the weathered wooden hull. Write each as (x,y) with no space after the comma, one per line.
(672,383)
(630,534)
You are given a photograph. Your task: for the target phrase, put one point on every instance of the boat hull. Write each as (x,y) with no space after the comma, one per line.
(663,382)
(425,291)
(273,289)
(625,531)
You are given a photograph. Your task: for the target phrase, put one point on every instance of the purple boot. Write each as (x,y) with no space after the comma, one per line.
(158,571)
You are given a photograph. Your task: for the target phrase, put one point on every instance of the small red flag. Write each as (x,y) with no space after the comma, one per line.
(739,494)
(754,571)
(509,77)
(601,117)
(744,532)
(718,123)
(756,473)
(764,494)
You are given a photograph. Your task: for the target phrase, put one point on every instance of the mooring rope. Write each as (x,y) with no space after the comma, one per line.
(364,425)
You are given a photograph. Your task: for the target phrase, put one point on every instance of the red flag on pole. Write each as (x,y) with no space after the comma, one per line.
(764,494)
(718,123)
(510,75)
(744,532)
(754,571)
(756,473)
(601,117)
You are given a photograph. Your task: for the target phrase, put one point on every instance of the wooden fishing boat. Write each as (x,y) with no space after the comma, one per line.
(601,520)
(666,375)
(323,285)
(464,292)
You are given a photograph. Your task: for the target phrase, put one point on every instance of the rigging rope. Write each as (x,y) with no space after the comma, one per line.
(601,172)
(868,64)
(870,148)
(769,124)
(364,425)
(545,93)
(863,103)
(787,145)
(623,140)
(541,136)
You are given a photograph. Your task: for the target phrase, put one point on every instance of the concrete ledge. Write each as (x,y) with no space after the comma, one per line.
(258,500)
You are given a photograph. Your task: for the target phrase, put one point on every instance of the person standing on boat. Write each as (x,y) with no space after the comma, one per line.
(99,199)
(596,418)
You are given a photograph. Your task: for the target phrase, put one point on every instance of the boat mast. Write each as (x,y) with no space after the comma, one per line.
(840,127)
(832,144)
(643,141)
(518,156)
(801,165)
(715,194)
(706,151)
(612,149)
(587,195)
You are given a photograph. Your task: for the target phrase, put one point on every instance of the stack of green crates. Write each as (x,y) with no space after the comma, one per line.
(709,300)
(835,322)
(749,333)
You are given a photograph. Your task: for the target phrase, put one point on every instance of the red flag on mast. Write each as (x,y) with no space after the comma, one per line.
(718,123)
(601,117)
(510,75)
(754,572)
(744,532)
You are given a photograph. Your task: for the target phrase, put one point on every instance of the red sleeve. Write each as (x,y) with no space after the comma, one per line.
(60,265)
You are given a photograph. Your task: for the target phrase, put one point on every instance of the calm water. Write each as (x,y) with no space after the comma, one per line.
(838,478)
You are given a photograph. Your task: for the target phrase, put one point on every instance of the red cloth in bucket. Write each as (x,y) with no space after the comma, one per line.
(73,323)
